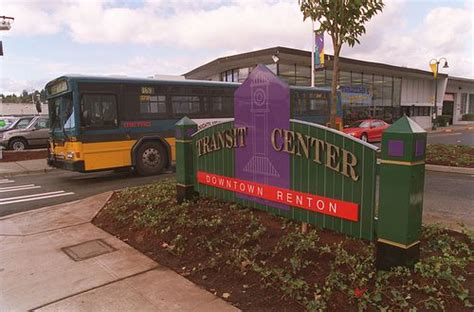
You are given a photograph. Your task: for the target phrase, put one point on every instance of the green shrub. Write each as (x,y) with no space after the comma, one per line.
(468,117)
(443,120)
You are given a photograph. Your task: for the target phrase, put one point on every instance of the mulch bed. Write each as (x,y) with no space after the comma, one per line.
(450,155)
(9,156)
(260,262)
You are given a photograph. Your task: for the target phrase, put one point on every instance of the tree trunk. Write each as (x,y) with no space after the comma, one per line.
(335,78)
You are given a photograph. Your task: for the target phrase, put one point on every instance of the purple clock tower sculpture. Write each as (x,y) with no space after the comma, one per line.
(262,104)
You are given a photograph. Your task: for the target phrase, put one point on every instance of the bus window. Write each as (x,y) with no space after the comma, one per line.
(221,106)
(319,105)
(185,105)
(98,110)
(152,104)
(299,103)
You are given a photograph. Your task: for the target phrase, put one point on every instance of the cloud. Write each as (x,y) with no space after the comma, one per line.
(216,28)
(442,32)
(34,17)
(10,86)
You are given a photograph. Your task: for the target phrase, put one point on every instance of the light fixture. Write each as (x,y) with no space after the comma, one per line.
(446,64)
(275,58)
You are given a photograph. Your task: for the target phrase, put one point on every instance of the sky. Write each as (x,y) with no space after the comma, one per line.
(141,38)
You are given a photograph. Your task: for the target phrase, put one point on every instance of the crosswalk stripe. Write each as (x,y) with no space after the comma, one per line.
(16,186)
(35,198)
(20,188)
(28,196)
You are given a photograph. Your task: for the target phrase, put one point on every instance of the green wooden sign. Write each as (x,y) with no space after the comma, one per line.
(291,168)
(322,191)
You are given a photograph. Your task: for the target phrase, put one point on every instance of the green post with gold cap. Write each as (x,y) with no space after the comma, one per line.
(402,179)
(185,128)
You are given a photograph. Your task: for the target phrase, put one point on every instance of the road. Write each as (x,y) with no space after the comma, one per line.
(448,197)
(22,193)
(464,137)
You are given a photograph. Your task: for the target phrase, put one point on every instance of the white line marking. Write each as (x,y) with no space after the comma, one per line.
(6,181)
(16,186)
(20,189)
(35,198)
(28,196)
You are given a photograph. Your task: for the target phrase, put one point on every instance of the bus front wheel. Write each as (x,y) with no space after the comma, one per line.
(150,159)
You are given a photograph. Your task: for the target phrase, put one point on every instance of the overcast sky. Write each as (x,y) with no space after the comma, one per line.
(144,37)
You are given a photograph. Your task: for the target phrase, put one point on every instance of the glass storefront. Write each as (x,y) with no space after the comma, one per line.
(364,95)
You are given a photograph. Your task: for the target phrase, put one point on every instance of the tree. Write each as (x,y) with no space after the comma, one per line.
(344,21)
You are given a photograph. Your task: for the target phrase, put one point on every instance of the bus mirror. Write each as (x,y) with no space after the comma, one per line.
(36,100)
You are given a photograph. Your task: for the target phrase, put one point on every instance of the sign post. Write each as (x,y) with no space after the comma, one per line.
(185,128)
(402,176)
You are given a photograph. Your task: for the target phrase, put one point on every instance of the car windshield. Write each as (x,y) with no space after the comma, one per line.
(61,113)
(360,124)
(6,123)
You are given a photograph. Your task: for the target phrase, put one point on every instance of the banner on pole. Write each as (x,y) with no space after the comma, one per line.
(434,69)
(319,50)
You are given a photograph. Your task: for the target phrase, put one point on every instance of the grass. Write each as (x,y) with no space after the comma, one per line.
(450,155)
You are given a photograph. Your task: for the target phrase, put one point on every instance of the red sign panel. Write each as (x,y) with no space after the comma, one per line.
(311,202)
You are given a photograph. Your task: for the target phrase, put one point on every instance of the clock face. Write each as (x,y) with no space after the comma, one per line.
(259,97)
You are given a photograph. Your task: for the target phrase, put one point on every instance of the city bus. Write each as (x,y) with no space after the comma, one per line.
(104,123)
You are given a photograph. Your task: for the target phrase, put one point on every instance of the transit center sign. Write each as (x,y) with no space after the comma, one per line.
(265,160)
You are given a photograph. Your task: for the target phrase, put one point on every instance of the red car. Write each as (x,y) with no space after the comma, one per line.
(368,130)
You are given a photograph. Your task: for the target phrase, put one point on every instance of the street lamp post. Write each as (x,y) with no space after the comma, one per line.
(434,64)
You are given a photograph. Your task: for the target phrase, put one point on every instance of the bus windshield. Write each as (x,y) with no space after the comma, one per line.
(61,113)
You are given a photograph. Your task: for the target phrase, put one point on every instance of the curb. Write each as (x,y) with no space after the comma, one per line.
(448,169)
(447,130)
(61,204)
(16,173)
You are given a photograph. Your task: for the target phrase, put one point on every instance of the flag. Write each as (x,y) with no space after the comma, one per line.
(434,69)
(319,50)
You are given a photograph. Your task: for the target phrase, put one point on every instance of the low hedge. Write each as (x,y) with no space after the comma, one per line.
(468,117)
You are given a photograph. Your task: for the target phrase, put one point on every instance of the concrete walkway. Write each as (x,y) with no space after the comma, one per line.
(54,259)
(23,167)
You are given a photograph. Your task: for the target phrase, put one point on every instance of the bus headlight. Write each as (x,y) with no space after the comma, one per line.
(70,155)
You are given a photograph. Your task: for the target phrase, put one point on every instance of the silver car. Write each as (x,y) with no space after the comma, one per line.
(27,132)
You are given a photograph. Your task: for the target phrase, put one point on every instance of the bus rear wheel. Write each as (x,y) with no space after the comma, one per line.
(150,159)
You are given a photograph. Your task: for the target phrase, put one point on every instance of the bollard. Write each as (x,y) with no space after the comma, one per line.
(184,159)
(402,178)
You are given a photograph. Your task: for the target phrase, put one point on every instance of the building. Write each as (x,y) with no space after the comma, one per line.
(367,88)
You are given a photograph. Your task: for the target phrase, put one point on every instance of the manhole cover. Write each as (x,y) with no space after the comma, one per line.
(89,249)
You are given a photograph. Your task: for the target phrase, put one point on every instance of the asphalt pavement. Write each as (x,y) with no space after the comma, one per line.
(26,192)
(448,197)
(458,137)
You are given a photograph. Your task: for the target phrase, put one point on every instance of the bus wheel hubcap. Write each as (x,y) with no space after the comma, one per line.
(18,146)
(151,157)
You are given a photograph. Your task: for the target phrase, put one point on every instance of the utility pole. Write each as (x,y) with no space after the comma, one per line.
(434,65)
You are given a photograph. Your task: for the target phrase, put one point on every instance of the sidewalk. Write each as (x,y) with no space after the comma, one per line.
(98,273)
(23,167)
(452,128)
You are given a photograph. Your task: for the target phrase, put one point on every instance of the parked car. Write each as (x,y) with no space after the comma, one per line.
(368,130)
(26,132)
